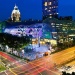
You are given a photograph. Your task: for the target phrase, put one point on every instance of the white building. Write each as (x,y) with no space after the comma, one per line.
(15,15)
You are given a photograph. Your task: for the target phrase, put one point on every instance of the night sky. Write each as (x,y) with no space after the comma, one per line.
(67,8)
(33,8)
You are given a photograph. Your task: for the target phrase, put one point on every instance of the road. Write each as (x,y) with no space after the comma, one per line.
(43,66)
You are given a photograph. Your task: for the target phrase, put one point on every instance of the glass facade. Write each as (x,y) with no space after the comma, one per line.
(36,30)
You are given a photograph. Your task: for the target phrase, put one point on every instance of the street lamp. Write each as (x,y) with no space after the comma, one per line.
(38,37)
(21,29)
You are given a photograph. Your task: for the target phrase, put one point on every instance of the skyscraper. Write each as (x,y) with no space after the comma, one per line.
(50,8)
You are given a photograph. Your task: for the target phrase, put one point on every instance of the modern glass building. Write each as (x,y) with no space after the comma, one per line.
(38,32)
(50,7)
(62,30)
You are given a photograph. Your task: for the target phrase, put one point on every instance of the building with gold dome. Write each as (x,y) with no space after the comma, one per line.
(15,15)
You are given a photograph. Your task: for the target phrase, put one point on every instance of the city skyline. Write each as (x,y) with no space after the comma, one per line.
(27,8)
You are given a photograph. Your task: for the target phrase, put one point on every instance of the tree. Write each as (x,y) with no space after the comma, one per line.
(14,42)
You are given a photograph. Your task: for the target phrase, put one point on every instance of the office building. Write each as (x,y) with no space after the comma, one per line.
(50,8)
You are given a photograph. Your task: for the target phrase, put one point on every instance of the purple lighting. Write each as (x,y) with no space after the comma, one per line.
(35,32)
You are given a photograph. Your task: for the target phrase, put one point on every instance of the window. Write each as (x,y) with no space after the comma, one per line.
(49,10)
(45,4)
(50,16)
(50,7)
(45,8)
(49,3)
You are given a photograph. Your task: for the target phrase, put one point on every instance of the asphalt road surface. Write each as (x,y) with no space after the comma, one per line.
(43,66)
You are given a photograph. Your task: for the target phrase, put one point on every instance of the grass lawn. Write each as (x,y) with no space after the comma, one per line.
(2,68)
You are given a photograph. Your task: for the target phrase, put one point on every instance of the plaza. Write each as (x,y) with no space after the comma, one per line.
(41,38)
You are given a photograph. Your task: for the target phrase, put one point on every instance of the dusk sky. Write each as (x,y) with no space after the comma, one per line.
(33,8)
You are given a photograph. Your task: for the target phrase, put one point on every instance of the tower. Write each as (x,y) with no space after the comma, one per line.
(50,8)
(15,15)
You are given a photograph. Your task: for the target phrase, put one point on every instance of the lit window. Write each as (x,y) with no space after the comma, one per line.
(50,8)
(57,24)
(50,3)
(45,8)
(54,13)
(50,14)
(54,6)
(60,24)
(45,3)
(52,24)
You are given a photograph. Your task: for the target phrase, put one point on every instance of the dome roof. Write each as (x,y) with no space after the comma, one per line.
(16,10)
(15,7)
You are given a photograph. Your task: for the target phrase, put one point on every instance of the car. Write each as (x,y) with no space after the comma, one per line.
(46,54)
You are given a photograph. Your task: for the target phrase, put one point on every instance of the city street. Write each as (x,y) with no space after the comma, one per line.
(47,65)
(37,37)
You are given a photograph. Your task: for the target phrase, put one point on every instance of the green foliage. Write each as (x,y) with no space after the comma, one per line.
(64,45)
(14,41)
(2,68)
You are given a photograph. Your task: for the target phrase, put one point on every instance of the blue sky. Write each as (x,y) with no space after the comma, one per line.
(67,8)
(33,8)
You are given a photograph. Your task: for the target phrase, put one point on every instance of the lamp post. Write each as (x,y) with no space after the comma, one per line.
(38,37)
(39,40)
(21,29)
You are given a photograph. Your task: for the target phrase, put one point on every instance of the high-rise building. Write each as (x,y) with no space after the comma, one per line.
(50,8)
(15,15)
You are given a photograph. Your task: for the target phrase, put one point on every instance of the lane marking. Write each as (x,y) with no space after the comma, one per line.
(12,72)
